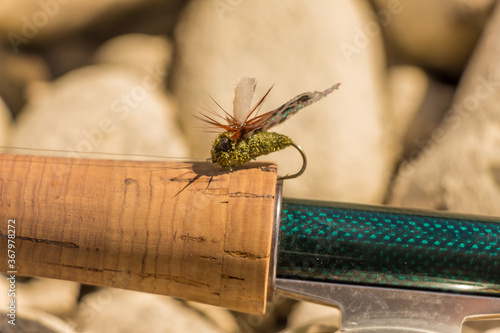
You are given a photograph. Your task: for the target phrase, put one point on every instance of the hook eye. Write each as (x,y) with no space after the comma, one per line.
(304,164)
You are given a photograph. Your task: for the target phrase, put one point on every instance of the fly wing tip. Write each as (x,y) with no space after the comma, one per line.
(332,88)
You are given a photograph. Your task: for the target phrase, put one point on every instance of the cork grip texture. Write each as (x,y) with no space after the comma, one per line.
(188,230)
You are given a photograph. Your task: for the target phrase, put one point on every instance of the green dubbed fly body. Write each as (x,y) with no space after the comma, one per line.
(246,149)
(245,137)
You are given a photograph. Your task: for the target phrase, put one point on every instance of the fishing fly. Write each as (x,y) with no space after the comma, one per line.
(245,135)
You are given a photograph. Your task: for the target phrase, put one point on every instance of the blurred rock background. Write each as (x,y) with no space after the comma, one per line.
(415,123)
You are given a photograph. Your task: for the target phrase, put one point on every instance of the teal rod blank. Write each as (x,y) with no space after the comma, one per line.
(389,247)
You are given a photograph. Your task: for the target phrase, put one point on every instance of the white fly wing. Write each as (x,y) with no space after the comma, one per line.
(243,96)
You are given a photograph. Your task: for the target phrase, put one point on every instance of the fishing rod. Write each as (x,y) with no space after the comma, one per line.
(219,232)
(199,232)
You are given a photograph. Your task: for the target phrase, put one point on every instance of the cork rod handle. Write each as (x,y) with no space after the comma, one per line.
(188,230)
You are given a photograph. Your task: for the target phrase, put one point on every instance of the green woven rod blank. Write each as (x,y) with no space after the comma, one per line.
(389,247)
